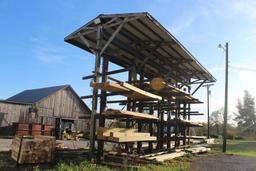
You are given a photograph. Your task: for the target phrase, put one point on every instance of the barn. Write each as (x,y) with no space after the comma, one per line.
(57,106)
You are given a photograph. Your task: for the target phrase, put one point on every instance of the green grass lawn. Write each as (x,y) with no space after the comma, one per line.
(237,147)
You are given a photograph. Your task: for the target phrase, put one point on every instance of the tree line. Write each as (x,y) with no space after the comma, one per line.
(245,120)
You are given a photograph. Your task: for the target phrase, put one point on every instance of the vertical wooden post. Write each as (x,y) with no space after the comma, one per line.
(151,130)
(185,128)
(95,92)
(129,107)
(168,126)
(103,99)
(140,110)
(188,128)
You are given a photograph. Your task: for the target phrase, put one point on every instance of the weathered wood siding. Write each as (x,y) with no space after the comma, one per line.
(13,113)
(63,104)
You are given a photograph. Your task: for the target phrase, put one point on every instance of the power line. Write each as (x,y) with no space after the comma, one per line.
(243,68)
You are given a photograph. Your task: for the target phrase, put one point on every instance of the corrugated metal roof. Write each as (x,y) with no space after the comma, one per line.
(35,95)
(142,39)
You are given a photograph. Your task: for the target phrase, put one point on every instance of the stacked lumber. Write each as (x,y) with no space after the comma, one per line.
(124,160)
(127,90)
(29,150)
(115,113)
(121,135)
(167,156)
(196,150)
(164,155)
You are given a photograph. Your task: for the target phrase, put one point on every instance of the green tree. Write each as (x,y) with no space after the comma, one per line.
(216,122)
(246,118)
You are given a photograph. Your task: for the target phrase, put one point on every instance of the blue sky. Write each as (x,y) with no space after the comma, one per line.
(33,53)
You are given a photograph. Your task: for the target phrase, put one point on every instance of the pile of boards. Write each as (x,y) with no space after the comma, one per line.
(164,155)
(31,150)
(120,135)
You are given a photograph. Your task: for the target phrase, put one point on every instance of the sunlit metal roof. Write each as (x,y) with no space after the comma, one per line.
(143,41)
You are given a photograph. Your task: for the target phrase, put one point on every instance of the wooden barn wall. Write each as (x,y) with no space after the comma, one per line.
(63,104)
(13,113)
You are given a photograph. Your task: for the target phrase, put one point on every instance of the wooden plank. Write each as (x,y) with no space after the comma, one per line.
(169,156)
(132,91)
(108,86)
(135,115)
(139,92)
(136,134)
(131,139)
(196,150)
(106,131)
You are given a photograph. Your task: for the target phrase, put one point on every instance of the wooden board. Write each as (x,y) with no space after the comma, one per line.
(196,150)
(132,139)
(127,90)
(136,115)
(168,156)
(123,135)
(139,93)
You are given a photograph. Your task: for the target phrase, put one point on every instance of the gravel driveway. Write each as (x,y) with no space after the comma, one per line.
(224,163)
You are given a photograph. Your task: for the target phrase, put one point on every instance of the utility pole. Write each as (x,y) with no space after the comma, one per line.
(208,108)
(224,147)
(226,103)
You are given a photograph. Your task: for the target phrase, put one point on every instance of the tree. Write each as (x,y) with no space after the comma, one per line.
(246,118)
(216,122)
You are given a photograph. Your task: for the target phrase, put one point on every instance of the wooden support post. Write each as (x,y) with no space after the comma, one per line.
(162,126)
(189,109)
(139,144)
(168,128)
(103,99)
(95,93)
(129,107)
(151,130)
(184,128)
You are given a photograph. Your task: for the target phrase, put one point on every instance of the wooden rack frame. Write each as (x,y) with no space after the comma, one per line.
(144,49)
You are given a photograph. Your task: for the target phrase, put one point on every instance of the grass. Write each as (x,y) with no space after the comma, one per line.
(237,147)
(86,166)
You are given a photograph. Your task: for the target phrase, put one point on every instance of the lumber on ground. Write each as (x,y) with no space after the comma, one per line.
(168,156)
(196,150)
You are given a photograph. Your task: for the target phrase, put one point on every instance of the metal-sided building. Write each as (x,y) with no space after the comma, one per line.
(48,106)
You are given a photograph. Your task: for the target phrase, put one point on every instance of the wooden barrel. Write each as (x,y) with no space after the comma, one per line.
(48,129)
(36,129)
(21,129)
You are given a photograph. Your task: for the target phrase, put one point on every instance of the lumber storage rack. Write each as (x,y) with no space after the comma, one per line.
(160,78)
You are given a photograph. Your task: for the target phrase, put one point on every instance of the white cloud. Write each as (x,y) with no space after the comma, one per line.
(178,28)
(244,7)
(47,52)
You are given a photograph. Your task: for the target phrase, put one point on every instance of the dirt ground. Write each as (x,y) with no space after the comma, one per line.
(224,162)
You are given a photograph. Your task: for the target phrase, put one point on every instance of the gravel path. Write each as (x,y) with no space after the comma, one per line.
(224,163)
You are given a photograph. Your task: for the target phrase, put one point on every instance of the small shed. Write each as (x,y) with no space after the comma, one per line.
(57,106)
